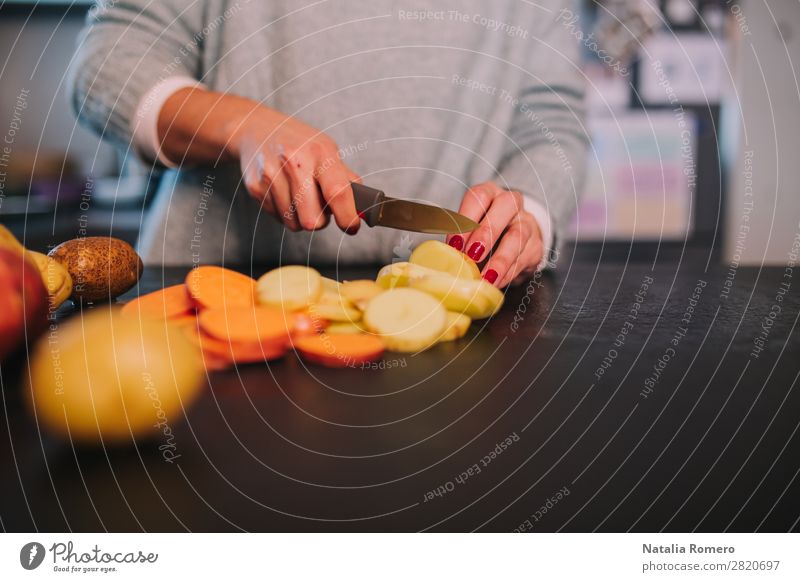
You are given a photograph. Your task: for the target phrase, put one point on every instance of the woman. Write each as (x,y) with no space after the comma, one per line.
(273,107)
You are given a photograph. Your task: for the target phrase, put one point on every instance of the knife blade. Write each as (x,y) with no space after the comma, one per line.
(377,209)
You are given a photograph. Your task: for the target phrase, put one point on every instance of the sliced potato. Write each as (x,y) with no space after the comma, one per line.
(456,327)
(333,306)
(439,256)
(399,274)
(408,320)
(493,294)
(329,298)
(360,292)
(459,295)
(344,327)
(290,288)
(470,297)
(334,311)
(391,276)
(330,285)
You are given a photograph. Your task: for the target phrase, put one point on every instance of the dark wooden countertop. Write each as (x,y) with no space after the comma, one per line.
(571,410)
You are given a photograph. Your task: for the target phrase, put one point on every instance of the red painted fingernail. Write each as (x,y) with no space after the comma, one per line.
(362,214)
(475,251)
(490,275)
(456,242)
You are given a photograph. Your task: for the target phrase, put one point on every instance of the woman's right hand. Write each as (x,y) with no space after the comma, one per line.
(295,171)
(292,168)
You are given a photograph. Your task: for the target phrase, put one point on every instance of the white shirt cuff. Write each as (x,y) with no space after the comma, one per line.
(542,216)
(144,125)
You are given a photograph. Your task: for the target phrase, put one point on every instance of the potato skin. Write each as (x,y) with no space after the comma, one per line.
(102,268)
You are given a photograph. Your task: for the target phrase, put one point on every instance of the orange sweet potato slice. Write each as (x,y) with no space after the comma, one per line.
(211,287)
(255,324)
(166,303)
(339,351)
(215,350)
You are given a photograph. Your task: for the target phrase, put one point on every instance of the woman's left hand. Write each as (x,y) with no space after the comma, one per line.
(507,232)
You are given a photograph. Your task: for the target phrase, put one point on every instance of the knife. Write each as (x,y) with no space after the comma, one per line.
(377,209)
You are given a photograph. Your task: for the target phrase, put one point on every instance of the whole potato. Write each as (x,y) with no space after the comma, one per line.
(102,268)
(102,377)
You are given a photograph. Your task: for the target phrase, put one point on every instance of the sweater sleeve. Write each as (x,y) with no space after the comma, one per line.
(547,144)
(124,50)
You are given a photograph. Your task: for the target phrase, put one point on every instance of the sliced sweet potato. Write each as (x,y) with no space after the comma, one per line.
(236,352)
(166,303)
(189,318)
(216,287)
(340,351)
(213,363)
(307,324)
(255,324)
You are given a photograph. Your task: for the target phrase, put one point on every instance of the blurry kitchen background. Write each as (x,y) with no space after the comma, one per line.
(693,107)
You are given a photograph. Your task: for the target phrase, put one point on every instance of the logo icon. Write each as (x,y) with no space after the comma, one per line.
(402,250)
(31,555)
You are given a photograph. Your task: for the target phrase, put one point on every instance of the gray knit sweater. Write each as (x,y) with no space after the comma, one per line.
(423,98)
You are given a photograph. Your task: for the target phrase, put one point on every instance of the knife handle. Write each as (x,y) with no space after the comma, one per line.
(368,202)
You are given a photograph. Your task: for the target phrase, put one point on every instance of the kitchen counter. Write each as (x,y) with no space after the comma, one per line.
(611,397)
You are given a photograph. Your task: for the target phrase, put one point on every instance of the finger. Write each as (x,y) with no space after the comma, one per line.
(524,276)
(529,260)
(280,193)
(522,270)
(338,195)
(286,212)
(525,266)
(475,204)
(505,206)
(279,190)
(305,198)
(268,206)
(258,184)
(503,264)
